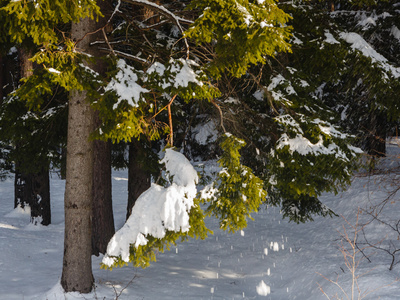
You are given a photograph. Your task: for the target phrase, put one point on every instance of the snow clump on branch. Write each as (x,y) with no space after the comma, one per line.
(158,209)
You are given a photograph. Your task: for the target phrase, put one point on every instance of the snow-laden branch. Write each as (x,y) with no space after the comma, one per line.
(167,13)
(358,43)
(158,209)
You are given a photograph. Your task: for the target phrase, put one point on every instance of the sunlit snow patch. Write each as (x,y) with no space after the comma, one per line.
(125,85)
(2,225)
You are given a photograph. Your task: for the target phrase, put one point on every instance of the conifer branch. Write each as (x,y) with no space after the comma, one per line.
(266,92)
(170,15)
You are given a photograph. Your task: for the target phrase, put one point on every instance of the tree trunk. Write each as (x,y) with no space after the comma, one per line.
(32,189)
(40,207)
(23,181)
(103,218)
(81,186)
(2,81)
(139,178)
(22,188)
(77,264)
(376,136)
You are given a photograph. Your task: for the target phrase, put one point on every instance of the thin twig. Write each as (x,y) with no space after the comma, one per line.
(220,114)
(171,134)
(106,39)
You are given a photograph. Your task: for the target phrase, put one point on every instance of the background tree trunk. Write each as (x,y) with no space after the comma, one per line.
(376,135)
(22,188)
(40,209)
(30,187)
(103,218)
(2,76)
(139,176)
(23,180)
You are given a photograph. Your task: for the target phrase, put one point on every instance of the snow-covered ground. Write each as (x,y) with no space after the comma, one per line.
(271,259)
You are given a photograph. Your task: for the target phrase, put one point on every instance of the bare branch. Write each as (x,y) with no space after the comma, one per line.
(170,15)
(220,114)
(127,56)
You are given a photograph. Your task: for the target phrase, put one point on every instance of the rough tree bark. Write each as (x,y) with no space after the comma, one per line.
(89,222)
(77,264)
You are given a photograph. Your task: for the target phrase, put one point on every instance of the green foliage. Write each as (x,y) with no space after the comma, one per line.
(238,191)
(243,32)
(37,19)
(64,69)
(37,137)
(124,119)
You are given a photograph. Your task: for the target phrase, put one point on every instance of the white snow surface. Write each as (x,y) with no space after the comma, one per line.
(185,74)
(303,146)
(395,31)
(330,38)
(52,70)
(224,266)
(182,73)
(158,209)
(205,133)
(125,85)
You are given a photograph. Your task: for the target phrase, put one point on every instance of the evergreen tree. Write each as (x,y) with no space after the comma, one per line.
(227,63)
(36,21)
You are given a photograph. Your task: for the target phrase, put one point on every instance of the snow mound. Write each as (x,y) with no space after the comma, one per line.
(19,212)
